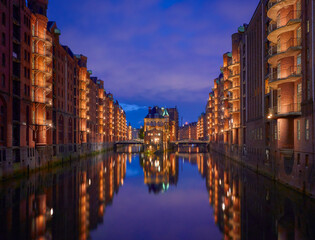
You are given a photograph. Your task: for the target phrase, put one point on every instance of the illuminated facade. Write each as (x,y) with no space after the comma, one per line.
(201,127)
(48,100)
(173,117)
(156,127)
(188,131)
(269,92)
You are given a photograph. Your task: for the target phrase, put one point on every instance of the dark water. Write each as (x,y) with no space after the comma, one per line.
(173,196)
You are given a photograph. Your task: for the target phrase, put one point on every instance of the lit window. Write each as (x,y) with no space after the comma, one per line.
(307,129)
(298,128)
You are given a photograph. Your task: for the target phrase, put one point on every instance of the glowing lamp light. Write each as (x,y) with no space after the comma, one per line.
(51,211)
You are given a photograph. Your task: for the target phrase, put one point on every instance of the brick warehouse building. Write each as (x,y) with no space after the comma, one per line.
(268,95)
(49,103)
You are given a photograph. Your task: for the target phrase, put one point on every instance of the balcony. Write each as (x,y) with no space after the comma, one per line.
(234,99)
(275,5)
(46,71)
(288,75)
(284,24)
(48,86)
(234,87)
(40,100)
(43,38)
(234,110)
(39,122)
(47,56)
(291,48)
(233,76)
(288,110)
(234,64)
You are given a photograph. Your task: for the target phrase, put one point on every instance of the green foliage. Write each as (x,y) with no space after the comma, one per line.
(141,133)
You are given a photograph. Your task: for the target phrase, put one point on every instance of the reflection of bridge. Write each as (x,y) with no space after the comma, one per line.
(130,142)
(188,145)
(190,142)
(127,143)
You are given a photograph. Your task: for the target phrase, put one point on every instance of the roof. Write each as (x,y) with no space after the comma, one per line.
(157,112)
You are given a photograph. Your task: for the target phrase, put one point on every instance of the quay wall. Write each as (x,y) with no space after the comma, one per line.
(271,165)
(47,156)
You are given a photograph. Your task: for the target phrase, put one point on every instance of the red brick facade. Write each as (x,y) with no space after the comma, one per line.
(49,103)
(268,96)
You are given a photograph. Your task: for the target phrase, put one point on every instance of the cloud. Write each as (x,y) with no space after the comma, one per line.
(153,52)
(132,107)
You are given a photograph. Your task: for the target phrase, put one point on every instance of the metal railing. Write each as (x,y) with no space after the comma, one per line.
(42,100)
(285,109)
(285,73)
(234,110)
(283,21)
(235,74)
(272,3)
(283,47)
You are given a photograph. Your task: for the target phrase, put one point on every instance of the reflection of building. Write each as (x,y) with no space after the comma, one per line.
(245,204)
(156,127)
(160,172)
(188,131)
(66,204)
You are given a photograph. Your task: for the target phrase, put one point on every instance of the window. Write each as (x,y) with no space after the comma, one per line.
(298,159)
(306,160)
(307,129)
(276,132)
(298,64)
(279,100)
(33,119)
(299,35)
(3,19)
(279,46)
(308,26)
(3,80)
(279,71)
(308,83)
(298,129)
(3,60)
(3,39)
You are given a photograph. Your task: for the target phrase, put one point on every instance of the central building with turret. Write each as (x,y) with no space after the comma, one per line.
(156,128)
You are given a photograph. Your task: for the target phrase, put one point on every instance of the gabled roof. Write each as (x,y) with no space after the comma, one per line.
(157,112)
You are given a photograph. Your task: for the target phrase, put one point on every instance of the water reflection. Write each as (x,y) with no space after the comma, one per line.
(159,171)
(66,204)
(70,203)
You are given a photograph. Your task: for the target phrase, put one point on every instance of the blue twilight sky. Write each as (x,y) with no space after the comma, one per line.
(153,52)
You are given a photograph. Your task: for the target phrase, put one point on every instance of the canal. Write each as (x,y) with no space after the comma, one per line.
(171,196)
